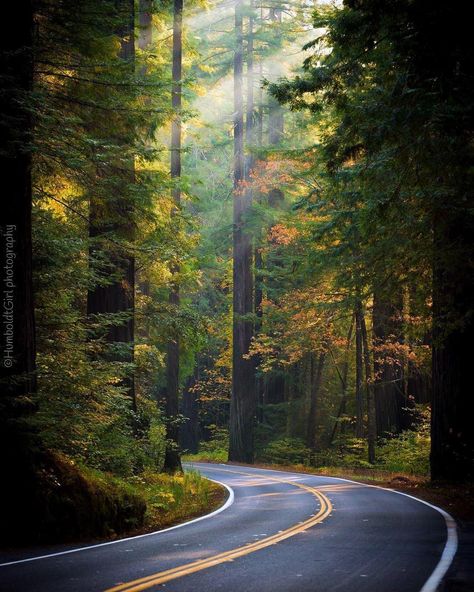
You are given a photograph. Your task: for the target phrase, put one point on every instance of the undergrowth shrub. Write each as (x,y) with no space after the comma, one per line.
(286,451)
(170,498)
(407,453)
(216,448)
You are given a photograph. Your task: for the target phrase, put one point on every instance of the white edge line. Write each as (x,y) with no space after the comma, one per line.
(450,547)
(228,503)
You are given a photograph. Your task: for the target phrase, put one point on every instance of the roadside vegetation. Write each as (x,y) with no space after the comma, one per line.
(406,454)
(70,502)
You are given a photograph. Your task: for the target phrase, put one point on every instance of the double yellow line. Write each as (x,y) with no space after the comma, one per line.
(190,568)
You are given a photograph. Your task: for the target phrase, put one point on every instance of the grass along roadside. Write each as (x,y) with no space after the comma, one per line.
(168,500)
(172,499)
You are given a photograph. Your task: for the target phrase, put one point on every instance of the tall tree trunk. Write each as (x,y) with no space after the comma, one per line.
(18,441)
(359,400)
(418,379)
(391,403)
(258,300)
(371,423)
(344,380)
(296,397)
(275,388)
(316,379)
(452,436)
(18,335)
(189,431)
(116,217)
(145,23)
(242,409)
(172,456)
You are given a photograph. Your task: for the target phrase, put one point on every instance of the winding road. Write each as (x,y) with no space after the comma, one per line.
(278,532)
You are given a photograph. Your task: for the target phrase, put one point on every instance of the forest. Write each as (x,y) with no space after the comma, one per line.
(232,231)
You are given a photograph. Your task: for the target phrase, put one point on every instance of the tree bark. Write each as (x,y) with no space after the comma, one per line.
(316,375)
(172,455)
(391,402)
(359,373)
(276,118)
(275,135)
(18,367)
(19,444)
(371,423)
(189,431)
(343,376)
(242,409)
(18,351)
(452,436)
(145,23)
(275,122)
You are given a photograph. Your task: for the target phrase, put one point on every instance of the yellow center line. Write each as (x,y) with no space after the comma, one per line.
(273,494)
(189,568)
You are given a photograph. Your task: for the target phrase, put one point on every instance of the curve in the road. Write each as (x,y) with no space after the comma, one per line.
(189,568)
(374,541)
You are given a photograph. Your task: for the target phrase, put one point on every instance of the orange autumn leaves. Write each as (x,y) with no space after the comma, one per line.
(279,234)
(299,323)
(272,173)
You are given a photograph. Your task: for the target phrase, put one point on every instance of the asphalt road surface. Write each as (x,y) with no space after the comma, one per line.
(278,532)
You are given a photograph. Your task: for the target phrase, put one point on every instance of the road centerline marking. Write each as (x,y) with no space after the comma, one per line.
(201,564)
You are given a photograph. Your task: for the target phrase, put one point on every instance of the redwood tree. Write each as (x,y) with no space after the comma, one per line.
(18,442)
(242,409)
(18,334)
(391,404)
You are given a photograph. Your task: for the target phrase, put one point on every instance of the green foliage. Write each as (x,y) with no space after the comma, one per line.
(171,498)
(128,443)
(406,453)
(102,196)
(286,451)
(409,452)
(381,93)
(350,452)
(219,438)
(216,448)
(218,455)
